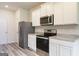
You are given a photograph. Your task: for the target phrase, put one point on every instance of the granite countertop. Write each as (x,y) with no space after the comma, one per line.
(65,37)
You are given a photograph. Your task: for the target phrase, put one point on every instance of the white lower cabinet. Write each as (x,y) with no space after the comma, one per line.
(32,41)
(53,50)
(65,50)
(59,49)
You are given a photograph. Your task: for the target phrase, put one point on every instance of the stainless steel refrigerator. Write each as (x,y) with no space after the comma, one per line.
(24,29)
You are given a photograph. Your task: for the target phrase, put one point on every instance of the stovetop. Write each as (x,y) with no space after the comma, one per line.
(42,36)
(46,35)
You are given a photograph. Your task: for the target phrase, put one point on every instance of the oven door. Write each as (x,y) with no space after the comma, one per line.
(43,44)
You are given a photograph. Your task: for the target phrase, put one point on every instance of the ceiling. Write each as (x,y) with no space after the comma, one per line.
(16,5)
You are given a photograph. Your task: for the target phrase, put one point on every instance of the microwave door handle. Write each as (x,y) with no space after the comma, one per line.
(52,17)
(48,19)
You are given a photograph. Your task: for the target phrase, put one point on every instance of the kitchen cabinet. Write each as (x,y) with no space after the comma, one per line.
(58,14)
(64,46)
(36,17)
(50,8)
(32,41)
(47,9)
(65,13)
(59,48)
(22,15)
(70,13)
(43,10)
(65,50)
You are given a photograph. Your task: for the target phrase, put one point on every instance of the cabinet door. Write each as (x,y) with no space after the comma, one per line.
(43,10)
(53,49)
(65,51)
(50,8)
(58,48)
(36,17)
(58,14)
(70,13)
(47,9)
(32,42)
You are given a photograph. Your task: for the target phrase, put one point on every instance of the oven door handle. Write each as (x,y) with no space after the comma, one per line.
(43,38)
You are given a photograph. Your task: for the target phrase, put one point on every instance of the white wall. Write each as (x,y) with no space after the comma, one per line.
(11,22)
(63,29)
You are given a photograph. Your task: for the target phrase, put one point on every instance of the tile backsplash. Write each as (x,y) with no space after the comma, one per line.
(62,29)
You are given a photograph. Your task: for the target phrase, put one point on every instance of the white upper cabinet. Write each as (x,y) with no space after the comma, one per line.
(36,17)
(43,10)
(58,14)
(22,15)
(64,13)
(50,8)
(70,13)
(47,9)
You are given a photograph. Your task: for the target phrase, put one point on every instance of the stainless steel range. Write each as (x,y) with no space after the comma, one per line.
(43,40)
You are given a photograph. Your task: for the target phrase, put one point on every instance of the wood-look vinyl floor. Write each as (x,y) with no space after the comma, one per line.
(13,49)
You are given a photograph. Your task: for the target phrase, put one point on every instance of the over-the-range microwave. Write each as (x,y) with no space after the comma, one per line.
(47,20)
